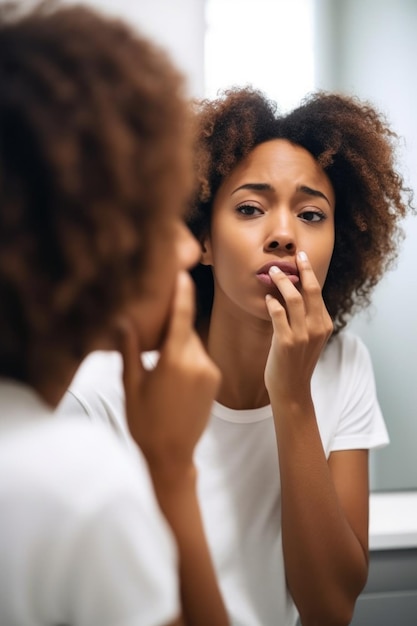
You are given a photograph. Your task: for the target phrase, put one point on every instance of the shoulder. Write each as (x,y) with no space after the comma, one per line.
(92,456)
(99,373)
(71,475)
(345,396)
(345,359)
(345,349)
(96,394)
(344,366)
(73,465)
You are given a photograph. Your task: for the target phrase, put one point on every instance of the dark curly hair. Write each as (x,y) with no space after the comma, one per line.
(95,148)
(354,145)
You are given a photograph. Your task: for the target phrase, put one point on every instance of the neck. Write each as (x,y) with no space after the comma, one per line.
(51,365)
(52,387)
(239,345)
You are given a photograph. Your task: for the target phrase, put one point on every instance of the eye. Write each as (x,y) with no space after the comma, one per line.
(312,215)
(248,210)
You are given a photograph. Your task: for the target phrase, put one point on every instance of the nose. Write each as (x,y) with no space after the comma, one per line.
(189,250)
(275,245)
(281,236)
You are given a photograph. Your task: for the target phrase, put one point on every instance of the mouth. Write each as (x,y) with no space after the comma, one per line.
(289,269)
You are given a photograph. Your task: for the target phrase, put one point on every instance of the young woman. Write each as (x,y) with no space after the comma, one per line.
(298,219)
(297,216)
(94,174)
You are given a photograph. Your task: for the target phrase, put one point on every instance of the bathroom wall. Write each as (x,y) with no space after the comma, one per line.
(177,25)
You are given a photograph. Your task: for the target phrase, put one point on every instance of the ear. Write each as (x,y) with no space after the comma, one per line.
(206,254)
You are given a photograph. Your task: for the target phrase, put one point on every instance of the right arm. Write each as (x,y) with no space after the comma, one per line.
(167,410)
(324,503)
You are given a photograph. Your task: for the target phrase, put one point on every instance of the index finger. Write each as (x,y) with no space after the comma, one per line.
(311,289)
(183,311)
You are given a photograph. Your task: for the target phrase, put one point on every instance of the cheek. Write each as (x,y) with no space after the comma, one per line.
(319,247)
(232,242)
(321,274)
(227,262)
(221,247)
(321,262)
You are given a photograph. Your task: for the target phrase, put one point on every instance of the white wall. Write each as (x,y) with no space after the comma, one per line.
(369,48)
(247,40)
(177,25)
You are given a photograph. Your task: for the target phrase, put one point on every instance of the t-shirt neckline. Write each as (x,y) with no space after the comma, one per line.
(245,416)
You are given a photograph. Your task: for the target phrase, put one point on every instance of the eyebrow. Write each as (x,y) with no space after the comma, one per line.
(267,187)
(254,187)
(313,192)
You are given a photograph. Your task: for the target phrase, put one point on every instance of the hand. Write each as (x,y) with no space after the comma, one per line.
(168,408)
(302,327)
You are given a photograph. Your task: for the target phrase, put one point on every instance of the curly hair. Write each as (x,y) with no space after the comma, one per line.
(356,148)
(95,148)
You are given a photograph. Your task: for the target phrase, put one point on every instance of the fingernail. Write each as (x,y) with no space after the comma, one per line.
(302,256)
(274,269)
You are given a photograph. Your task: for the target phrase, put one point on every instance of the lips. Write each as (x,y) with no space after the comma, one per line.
(289,269)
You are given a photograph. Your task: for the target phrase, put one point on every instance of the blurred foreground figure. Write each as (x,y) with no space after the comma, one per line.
(94,175)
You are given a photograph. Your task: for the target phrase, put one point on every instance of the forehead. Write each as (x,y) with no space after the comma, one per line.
(276,162)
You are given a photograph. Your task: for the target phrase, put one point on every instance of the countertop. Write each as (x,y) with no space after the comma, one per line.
(393,520)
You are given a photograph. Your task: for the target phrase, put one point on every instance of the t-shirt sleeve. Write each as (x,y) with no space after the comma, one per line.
(361,424)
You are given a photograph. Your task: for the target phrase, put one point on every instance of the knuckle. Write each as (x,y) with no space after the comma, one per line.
(277,311)
(314,289)
(318,334)
(294,299)
(330,329)
(329,324)
(205,369)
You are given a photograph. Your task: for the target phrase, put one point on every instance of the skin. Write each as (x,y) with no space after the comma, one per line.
(266,337)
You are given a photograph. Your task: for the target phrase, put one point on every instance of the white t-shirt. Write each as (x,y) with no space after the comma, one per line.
(237,460)
(82,541)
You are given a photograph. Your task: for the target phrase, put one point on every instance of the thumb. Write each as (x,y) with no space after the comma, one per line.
(183,311)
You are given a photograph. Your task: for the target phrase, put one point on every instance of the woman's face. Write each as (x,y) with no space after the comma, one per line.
(276,202)
(173,249)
